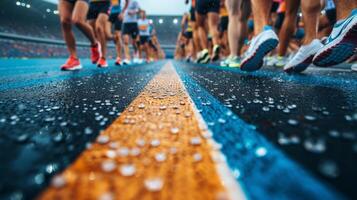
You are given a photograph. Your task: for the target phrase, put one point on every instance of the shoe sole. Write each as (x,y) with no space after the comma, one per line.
(300,67)
(78,67)
(340,52)
(203,60)
(255,62)
(215,55)
(102,66)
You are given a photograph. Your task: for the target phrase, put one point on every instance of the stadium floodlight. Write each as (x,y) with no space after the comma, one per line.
(28,6)
(175,21)
(18,3)
(161,21)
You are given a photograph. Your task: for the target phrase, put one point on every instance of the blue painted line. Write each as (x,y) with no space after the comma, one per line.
(67,75)
(261,168)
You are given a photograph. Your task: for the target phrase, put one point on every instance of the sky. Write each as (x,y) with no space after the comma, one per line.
(159,7)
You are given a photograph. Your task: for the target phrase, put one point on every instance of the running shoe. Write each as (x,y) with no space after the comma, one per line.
(71,64)
(276,61)
(203,57)
(354,67)
(341,44)
(231,61)
(303,58)
(102,63)
(126,62)
(259,47)
(118,61)
(96,53)
(216,50)
(281,61)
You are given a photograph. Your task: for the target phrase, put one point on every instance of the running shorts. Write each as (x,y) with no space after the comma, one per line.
(95,8)
(223,25)
(144,39)
(207,6)
(131,29)
(113,18)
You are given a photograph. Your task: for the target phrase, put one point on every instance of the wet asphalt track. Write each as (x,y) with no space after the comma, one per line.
(47,117)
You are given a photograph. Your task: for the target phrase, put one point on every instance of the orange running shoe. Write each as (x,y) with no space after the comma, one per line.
(102,63)
(118,61)
(71,64)
(96,53)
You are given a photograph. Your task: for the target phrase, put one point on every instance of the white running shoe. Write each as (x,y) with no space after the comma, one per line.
(303,58)
(354,67)
(203,57)
(259,47)
(341,44)
(126,62)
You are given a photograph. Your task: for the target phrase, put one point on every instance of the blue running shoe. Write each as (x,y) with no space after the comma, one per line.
(341,44)
(259,47)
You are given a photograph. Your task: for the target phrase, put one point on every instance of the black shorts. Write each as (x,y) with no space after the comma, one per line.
(279,21)
(188,34)
(151,44)
(331,16)
(193,14)
(207,6)
(144,39)
(274,7)
(223,25)
(131,29)
(74,1)
(113,18)
(95,8)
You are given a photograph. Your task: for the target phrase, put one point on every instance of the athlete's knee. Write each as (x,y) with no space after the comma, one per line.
(126,40)
(78,21)
(66,22)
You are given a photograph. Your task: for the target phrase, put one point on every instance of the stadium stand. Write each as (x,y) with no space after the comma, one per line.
(39,20)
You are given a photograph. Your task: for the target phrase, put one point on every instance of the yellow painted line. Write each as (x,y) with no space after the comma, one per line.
(159,148)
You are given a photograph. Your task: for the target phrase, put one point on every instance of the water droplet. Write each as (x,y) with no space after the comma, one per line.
(123,152)
(155,143)
(58,137)
(195,141)
(127,170)
(310,117)
(221,120)
(174,130)
(103,139)
(140,142)
(58,181)
(315,146)
(22,138)
(108,165)
(261,151)
(88,131)
(293,122)
(106,196)
(197,157)
(141,106)
(111,154)
(266,108)
(39,179)
(329,168)
(135,151)
(236,173)
(160,157)
(154,184)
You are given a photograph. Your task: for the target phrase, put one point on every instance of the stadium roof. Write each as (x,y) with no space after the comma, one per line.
(167,7)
